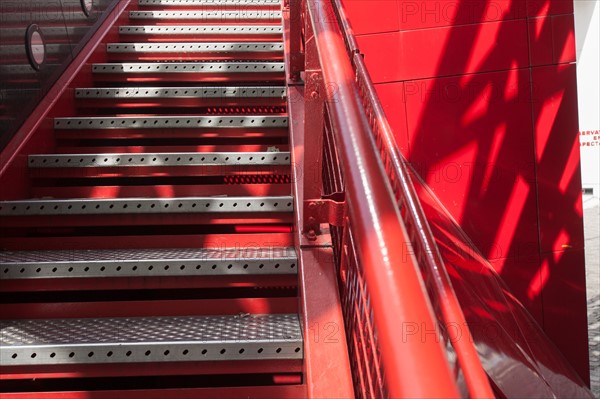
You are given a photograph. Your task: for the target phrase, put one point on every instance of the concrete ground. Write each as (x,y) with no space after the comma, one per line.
(591,216)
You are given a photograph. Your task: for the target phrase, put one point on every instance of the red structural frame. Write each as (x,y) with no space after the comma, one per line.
(391,275)
(369,266)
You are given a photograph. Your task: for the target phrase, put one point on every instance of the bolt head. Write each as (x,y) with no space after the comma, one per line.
(311,235)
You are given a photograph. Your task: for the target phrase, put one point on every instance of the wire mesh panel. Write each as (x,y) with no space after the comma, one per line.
(363,347)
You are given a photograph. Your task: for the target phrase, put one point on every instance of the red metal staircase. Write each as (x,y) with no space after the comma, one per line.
(210,203)
(157,240)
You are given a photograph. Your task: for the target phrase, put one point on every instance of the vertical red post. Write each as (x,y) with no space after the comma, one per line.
(314,119)
(296,56)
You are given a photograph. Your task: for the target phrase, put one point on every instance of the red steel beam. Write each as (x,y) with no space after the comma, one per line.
(142,283)
(283,392)
(192,307)
(149,369)
(326,364)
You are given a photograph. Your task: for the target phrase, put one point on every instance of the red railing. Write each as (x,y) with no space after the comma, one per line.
(388,292)
(391,325)
(437,281)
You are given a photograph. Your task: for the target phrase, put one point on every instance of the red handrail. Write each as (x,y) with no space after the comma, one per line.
(423,241)
(414,366)
(428,255)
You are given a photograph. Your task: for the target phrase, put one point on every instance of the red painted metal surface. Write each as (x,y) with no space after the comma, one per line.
(436,278)
(480,95)
(249,392)
(385,312)
(216,77)
(150,297)
(179,368)
(200,307)
(429,260)
(326,362)
(507,336)
(390,273)
(132,283)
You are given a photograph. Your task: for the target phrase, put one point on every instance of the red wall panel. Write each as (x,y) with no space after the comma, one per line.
(552,40)
(557,157)
(447,51)
(564,296)
(385,12)
(431,14)
(471,139)
(537,8)
(482,98)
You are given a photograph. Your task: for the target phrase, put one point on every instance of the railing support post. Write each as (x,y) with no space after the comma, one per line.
(314,122)
(296,55)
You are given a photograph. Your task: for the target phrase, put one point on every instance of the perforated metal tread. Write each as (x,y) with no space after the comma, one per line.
(147,263)
(223,47)
(239,15)
(189,67)
(216,3)
(172,122)
(225,30)
(150,339)
(182,92)
(158,159)
(121,206)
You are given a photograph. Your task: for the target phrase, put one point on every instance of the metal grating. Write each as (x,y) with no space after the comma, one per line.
(239,15)
(121,206)
(172,122)
(150,339)
(147,263)
(182,92)
(201,30)
(361,333)
(218,3)
(178,48)
(160,159)
(189,67)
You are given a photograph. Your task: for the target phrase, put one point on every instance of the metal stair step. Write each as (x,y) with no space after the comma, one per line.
(199,31)
(244,16)
(210,3)
(158,159)
(181,96)
(195,51)
(128,206)
(192,92)
(147,263)
(221,47)
(190,71)
(189,67)
(150,339)
(172,122)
